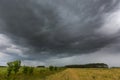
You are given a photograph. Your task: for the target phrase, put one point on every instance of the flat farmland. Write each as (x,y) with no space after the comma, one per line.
(87,74)
(66,74)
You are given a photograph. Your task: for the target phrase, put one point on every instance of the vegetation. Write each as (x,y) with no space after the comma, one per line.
(87,74)
(13,66)
(40,66)
(92,65)
(14,71)
(27,70)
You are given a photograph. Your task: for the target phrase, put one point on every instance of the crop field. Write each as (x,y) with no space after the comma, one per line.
(65,74)
(87,74)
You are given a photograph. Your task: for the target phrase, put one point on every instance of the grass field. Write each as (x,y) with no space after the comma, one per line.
(87,74)
(38,74)
(66,74)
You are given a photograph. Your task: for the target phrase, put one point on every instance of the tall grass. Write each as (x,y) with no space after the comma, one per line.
(87,74)
(64,74)
(37,74)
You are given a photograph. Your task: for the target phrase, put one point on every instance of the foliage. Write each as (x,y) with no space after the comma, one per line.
(91,65)
(38,73)
(55,68)
(16,66)
(51,68)
(9,69)
(30,70)
(27,70)
(66,74)
(16,72)
(13,66)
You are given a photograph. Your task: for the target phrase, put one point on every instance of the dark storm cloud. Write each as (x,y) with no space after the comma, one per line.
(56,26)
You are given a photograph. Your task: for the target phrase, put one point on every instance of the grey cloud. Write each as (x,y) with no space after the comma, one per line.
(56,26)
(97,57)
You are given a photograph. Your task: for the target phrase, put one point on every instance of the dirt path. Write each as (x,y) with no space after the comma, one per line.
(68,74)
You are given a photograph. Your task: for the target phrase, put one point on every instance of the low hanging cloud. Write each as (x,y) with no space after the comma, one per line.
(58,28)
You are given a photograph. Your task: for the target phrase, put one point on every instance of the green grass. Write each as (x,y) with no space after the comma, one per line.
(64,74)
(38,74)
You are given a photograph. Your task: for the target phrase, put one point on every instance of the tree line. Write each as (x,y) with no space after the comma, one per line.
(91,65)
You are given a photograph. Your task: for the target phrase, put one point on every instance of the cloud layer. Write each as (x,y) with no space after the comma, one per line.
(36,30)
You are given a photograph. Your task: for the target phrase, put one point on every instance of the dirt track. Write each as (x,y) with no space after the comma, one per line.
(68,74)
(86,74)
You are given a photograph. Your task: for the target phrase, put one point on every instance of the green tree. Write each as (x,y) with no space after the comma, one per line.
(55,68)
(28,70)
(16,66)
(25,69)
(13,66)
(9,69)
(51,68)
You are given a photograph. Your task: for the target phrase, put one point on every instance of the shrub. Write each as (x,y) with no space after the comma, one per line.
(16,66)
(9,69)
(55,68)
(13,66)
(30,70)
(25,70)
(51,68)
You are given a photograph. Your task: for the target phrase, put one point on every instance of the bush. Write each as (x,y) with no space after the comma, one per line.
(55,68)
(51,68)
(25,70)
(13,66)
(16,66)
(9,69)
(28,70)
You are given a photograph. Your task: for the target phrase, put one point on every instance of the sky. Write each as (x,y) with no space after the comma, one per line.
(60,32)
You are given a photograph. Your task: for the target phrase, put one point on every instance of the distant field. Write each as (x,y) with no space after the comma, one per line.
(67,74)
(87,74)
